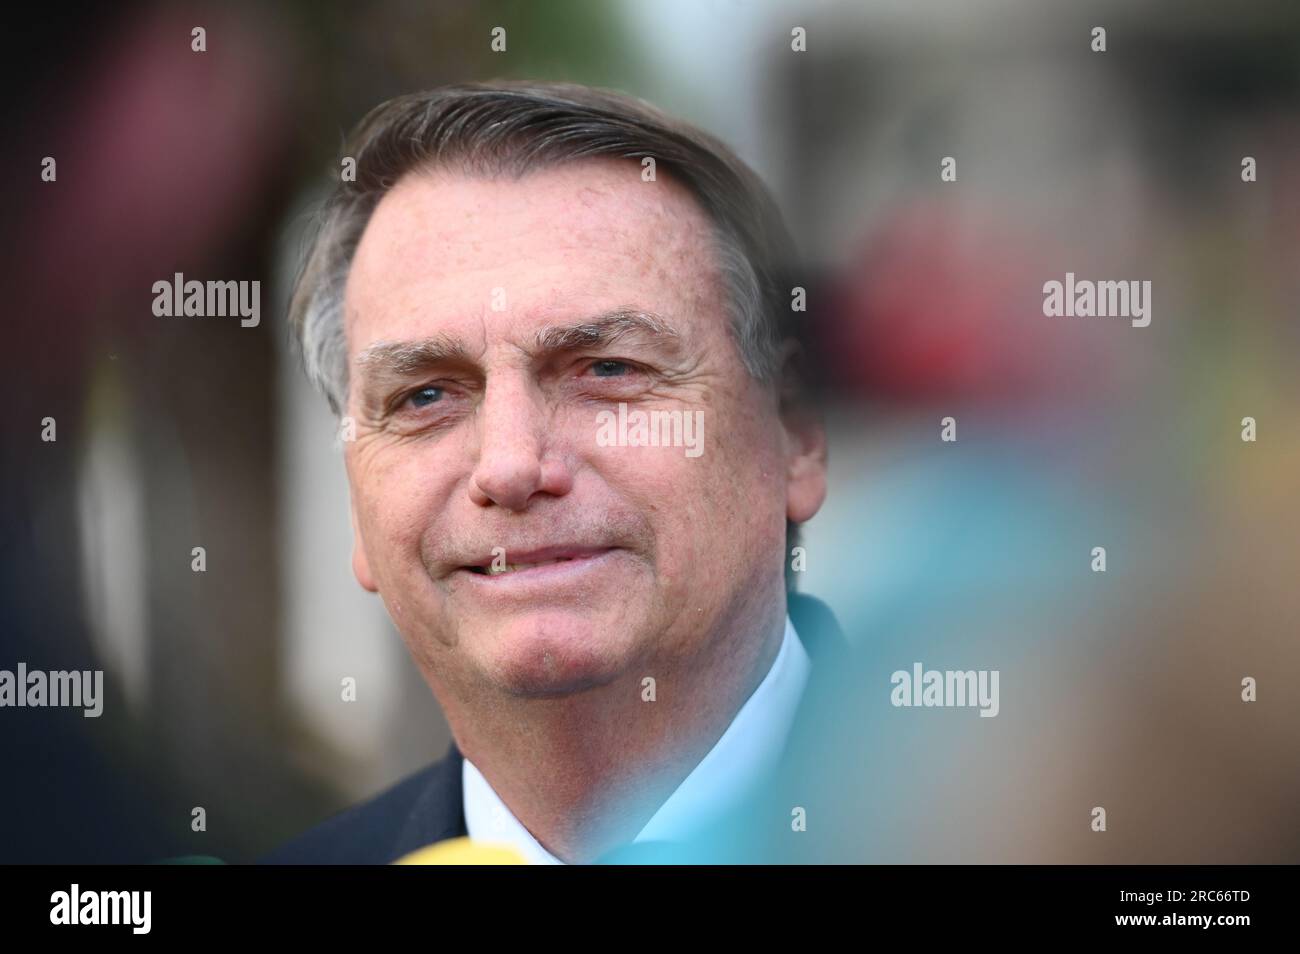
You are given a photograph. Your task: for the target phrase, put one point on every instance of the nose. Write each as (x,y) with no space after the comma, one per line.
(518,455)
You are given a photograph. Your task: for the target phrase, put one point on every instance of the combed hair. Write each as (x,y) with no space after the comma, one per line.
(508,129)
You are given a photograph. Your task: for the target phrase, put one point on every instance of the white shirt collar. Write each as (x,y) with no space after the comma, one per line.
(748,749)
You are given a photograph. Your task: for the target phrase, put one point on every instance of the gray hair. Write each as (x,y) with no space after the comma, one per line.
(508,128)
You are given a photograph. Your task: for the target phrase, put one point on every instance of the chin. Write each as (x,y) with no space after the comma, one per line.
(555,653)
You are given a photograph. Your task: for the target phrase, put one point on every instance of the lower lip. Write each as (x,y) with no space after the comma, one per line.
(540,579)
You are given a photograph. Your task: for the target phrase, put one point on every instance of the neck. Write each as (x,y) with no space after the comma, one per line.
(585,772)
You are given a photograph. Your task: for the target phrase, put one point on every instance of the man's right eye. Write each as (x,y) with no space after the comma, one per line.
(611,368)
(425,396)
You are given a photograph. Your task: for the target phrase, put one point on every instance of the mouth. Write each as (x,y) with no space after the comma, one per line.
(534,561)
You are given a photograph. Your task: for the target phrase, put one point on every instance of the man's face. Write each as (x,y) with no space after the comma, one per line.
(489,323)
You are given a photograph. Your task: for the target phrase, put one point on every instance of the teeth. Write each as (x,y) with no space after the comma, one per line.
(511,567)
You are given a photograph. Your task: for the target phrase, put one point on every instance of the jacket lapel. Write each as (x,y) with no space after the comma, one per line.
(439,812)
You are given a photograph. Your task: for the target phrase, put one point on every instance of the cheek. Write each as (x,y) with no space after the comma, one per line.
(744,482)
(395,501)
(710,513)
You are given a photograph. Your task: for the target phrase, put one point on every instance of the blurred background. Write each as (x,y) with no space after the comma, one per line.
(1119,689)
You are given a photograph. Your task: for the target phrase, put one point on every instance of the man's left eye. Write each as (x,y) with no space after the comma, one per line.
(610,368)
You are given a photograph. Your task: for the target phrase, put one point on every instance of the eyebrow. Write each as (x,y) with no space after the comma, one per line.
(393,361)
(402,358)
(604,330)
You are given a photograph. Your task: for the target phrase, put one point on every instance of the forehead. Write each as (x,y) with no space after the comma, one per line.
(466,255)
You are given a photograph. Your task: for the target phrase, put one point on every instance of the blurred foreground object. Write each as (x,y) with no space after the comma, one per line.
(462,851)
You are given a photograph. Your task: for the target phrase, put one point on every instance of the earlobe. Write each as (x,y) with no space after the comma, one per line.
(360,562)
(806,441)
(806,467)
(361,567)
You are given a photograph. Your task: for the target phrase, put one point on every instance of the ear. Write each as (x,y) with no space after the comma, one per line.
(805,440)
(360,562)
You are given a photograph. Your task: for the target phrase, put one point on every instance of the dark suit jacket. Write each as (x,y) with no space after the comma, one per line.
(427,806)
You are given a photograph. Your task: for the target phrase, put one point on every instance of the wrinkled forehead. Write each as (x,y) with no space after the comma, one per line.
(455,254)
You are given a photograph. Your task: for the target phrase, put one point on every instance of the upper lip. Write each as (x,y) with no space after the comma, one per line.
(537,555)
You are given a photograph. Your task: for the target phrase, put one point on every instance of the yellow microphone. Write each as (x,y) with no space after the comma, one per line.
(462,851)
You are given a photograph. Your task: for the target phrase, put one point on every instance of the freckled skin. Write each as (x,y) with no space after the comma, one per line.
(543,694)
